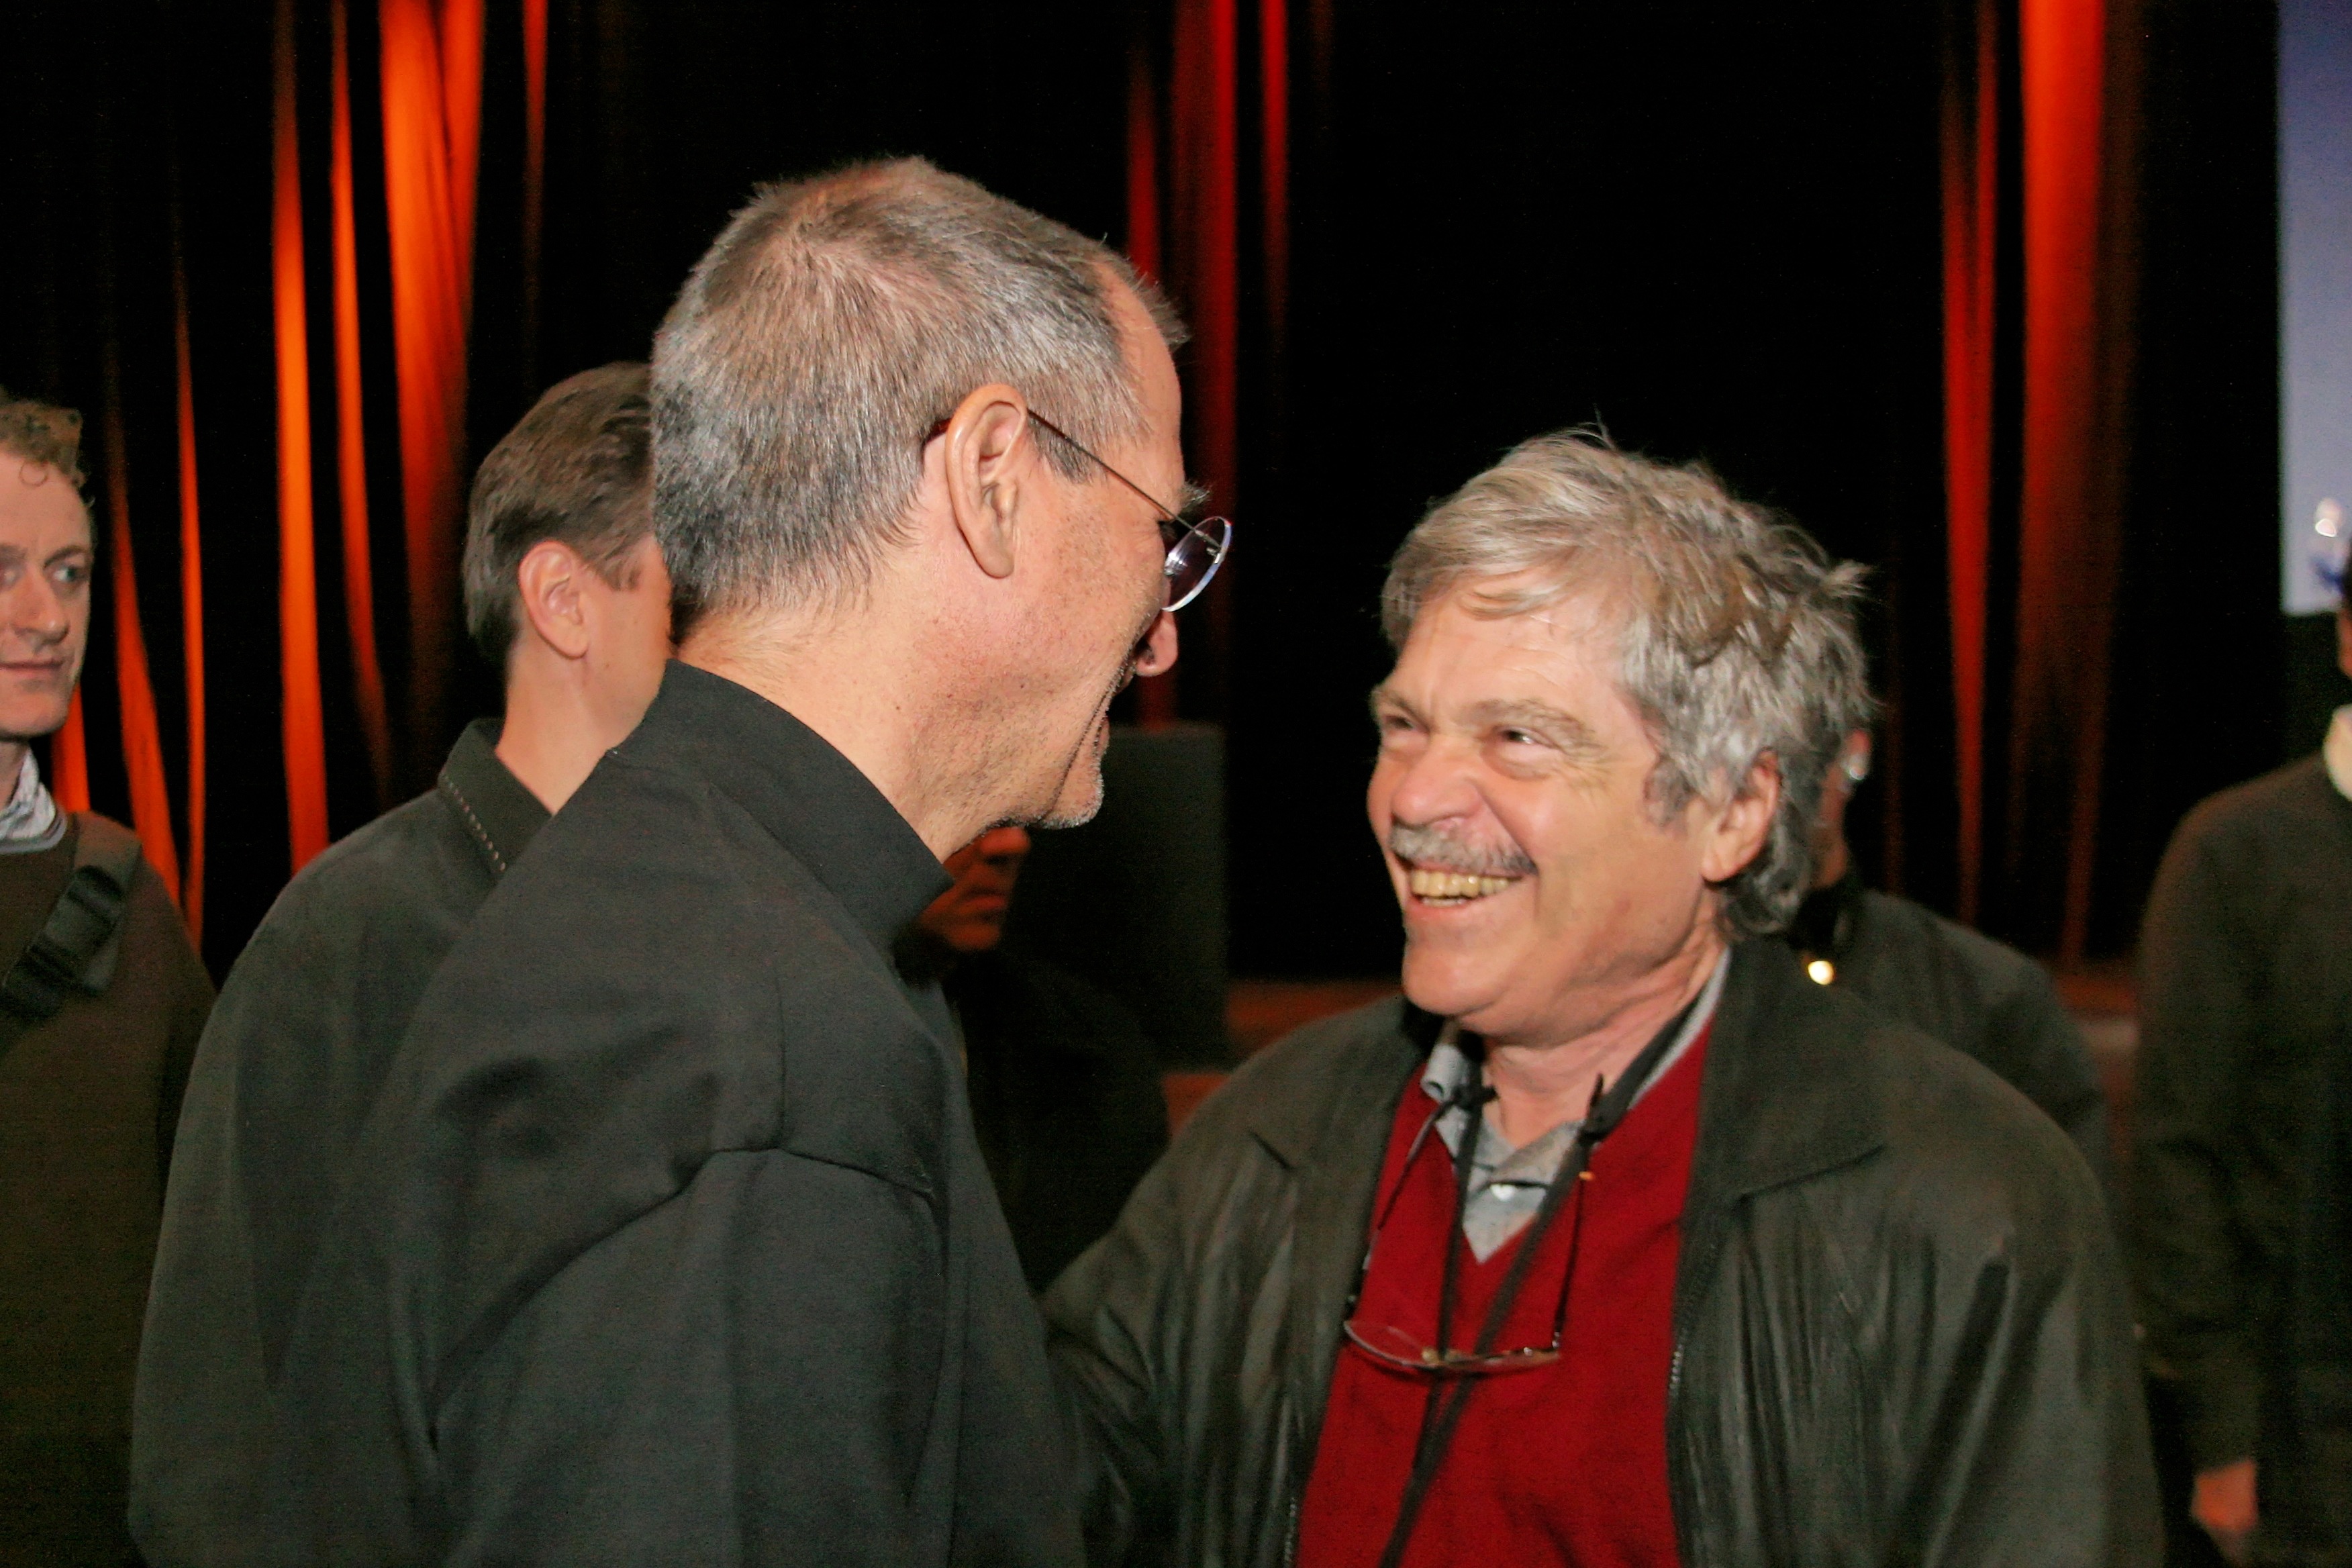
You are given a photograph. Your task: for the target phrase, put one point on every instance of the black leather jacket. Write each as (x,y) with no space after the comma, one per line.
(1900,1327)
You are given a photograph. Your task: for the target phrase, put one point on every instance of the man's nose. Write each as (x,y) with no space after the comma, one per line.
(1436,783)
(33,609)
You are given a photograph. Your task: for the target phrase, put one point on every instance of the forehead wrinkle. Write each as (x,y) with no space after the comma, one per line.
(1585,619)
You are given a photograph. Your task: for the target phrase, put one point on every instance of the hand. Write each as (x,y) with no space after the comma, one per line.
(2224,1505)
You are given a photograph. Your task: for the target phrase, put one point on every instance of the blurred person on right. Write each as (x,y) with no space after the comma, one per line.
(1979,996)
(2313,1517)
(2246,977)
(1616,1240)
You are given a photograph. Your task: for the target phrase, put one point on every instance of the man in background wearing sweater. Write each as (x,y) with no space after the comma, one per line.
(99,1018)
(2245,980)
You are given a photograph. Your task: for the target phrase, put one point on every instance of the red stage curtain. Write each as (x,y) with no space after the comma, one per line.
(1194,227)
(143,739)
(1203,244)
(1155,700)
(1971,125)
(1142,162)
(303,719)
(1274,161)
(192,594)
(350,429)
(2076,65)
(432,70)
(534,172)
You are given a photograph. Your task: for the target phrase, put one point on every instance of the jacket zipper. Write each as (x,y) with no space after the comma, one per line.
(1684,1531)
(1290,1543)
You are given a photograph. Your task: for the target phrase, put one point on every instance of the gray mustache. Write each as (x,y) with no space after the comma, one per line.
(1436,849)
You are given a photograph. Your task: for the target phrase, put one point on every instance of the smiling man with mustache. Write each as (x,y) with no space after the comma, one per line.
(1616,1241)
(101,1008)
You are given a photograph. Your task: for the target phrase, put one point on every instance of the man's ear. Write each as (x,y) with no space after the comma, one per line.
(1736,836)
(550,587)
(992,466)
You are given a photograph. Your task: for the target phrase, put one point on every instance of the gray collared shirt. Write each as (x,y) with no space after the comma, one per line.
(1508,1184)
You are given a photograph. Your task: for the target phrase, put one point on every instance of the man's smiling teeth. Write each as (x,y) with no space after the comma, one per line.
(1453,887)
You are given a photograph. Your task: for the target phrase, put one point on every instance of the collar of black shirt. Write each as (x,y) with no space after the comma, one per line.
(812,799)
(1823,926)
(501,814)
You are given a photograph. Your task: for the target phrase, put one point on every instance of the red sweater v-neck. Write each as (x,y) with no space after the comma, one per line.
(1559,1463)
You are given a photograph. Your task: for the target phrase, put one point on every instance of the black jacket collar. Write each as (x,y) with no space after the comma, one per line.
(500,816)
(812,799)
(1790,1088)
(1825,922)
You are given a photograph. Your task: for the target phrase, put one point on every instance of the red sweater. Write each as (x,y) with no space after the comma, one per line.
(1564,1463)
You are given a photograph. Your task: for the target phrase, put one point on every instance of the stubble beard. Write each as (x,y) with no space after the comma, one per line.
(1084,764)
(1085,759)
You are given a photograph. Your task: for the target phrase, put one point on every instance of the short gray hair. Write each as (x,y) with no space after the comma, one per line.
(574,470)
(1737,639)
(827,330)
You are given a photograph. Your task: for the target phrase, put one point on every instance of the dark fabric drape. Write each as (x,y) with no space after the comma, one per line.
(301,710)
(2071,67)
(2109,342)
(1982,293)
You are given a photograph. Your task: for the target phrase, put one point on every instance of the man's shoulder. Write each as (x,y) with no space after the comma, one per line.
(411,870)
(414,844)
(1283,1096)
(1995,971)
(650,852)
(1953,1151)
(1979,1164)
(2283,803)
(157,949)
(655,949)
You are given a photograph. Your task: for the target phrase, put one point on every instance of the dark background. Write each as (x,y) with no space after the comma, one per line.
(1710,229)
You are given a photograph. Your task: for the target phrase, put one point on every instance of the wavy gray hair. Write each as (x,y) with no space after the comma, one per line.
(1738,642)
(831,324)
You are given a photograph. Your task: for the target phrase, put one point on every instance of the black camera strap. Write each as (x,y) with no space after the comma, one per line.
(1448,1396)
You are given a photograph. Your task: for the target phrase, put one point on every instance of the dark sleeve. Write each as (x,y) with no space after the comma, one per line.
(220,1293)
(2020,1392)
(641,1257)
(655,1400)
(1103,1317)
(2054,1067)
(2319,1404)
(2197,1002)
(186,1003)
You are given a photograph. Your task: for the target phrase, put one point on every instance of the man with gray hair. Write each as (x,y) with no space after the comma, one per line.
(1615,1240)
(668,1240)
